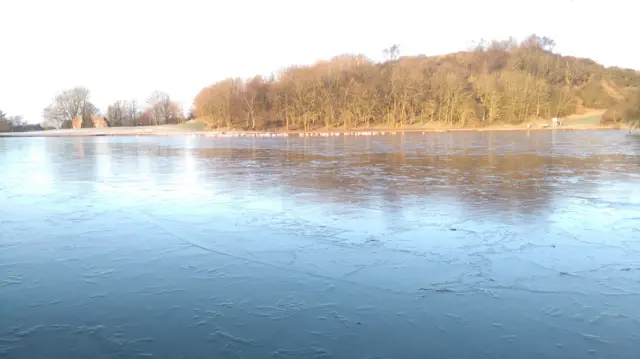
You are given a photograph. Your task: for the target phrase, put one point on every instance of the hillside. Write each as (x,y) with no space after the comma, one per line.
(500,82)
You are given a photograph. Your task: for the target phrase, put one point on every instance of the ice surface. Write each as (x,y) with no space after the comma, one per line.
(465,245)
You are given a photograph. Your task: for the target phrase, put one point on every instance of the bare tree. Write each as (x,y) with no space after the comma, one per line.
(133,113)
(123,113)
(392,52)
(54,117)
(116,113)
(163,110)
(73,102)
(67,105)
(158,103)
(17,121)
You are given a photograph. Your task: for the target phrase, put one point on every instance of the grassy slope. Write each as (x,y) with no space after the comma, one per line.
(188,127)
(193,125)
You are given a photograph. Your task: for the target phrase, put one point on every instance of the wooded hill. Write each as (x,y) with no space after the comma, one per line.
(497,82)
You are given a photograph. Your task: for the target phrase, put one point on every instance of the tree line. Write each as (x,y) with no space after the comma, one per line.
(159,109)
(16,124)
(495,82)
(627,111)
(72,103)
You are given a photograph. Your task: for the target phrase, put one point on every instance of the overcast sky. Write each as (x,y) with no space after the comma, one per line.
(125,49)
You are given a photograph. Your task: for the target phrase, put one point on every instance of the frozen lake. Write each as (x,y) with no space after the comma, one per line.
(451,245)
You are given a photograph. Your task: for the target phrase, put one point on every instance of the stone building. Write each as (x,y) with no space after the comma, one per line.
(98,122)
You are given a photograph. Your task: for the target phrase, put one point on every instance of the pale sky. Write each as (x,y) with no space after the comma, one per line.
(125,49)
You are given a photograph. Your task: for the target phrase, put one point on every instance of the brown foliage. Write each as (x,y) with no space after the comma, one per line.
(145,118)
(503,81)
(624,112)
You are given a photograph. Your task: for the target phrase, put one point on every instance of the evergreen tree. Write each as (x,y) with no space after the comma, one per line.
(5,124)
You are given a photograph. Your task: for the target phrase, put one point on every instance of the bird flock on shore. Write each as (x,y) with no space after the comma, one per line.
(300,134)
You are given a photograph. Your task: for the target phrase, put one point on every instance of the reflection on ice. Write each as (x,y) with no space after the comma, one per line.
(404,246)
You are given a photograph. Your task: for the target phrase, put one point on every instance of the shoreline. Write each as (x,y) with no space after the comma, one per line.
(159,131)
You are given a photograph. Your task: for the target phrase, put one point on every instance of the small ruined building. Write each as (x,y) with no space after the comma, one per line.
(98,122)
